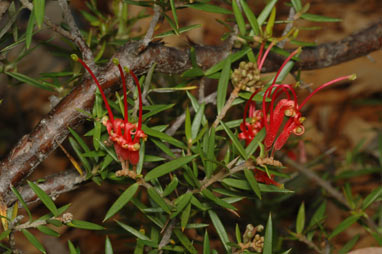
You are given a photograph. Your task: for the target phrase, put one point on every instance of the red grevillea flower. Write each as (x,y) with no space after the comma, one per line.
(125,136)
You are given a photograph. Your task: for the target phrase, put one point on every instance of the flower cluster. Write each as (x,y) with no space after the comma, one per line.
(279,101)
(125,136)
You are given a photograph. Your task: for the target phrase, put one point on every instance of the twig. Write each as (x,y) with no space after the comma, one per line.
(201,88)
(179,121)
(87,54)
(53,185)
(150,32)
(49,23)
(167,235)
(227,106)
(288,27)
(311,244)
(329,188)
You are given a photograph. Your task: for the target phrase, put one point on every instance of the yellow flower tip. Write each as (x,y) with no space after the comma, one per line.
(74,57)
(127,70)
(353,76)
(115,61)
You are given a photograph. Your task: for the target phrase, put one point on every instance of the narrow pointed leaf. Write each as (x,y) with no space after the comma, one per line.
(238,17)
(235,141)
(220,229)
(33,240)
(122,200)
(319,18)
(297,5)
(267,249)
(266,11)
(181,202)
(344,225)
(185,217)
(252,182)
(197,122)
(185,241)
(187,126)
(209,8)
(300,222)
(31,81)
(154,195)
(252,147)
(133,231)
(85,225)
(209,195)
(29,31)
(374,195)
(48,231)
(251,17)
(108,246)
(223,84)
(21,200)
(206,244)
(169,167)
(45,199)
(39,11)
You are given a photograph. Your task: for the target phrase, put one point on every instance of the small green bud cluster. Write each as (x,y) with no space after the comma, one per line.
(247,77)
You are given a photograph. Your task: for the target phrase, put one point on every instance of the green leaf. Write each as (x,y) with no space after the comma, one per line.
(25,79)
(206,243)
(300,222)
(344,225)
(210,165)
(48,231)
(78,152)
(80,141)
(185,217)
(163,136)
(349,245)
(223,84)
(181,202)
(251,18)
(169,167)
(187,126)
(252,147)
(85,225)
(233,57)
(164,148)
(171,186)
(267,249)
(45,199)
(297,5)
(209,8)
(180,30)
(238,17)
(173,10)
(122,200)
(185,241)
(244,185)
(220,229)
(266,11)
(33,240)
(155,109)
(72,248)
(4,234)
(21,200)
(235,141)
(318,215)
(29,31)
(197,121)
(208,194)
(133,231)
(39,11)
(319,18)
(108,246)
(238,233)
(154,195)
(271,22)
(252,182)
(375,194)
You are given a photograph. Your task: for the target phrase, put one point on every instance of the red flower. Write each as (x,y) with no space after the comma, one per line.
(125,136)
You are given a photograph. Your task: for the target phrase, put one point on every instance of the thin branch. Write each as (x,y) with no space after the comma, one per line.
(180,120)
(227,106)
(53,185)
(34,147)
(49,23)
(150,32)
(87,54)
(288,27)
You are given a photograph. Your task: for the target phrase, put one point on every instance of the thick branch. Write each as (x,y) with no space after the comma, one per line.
(53,185)
(35,147)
